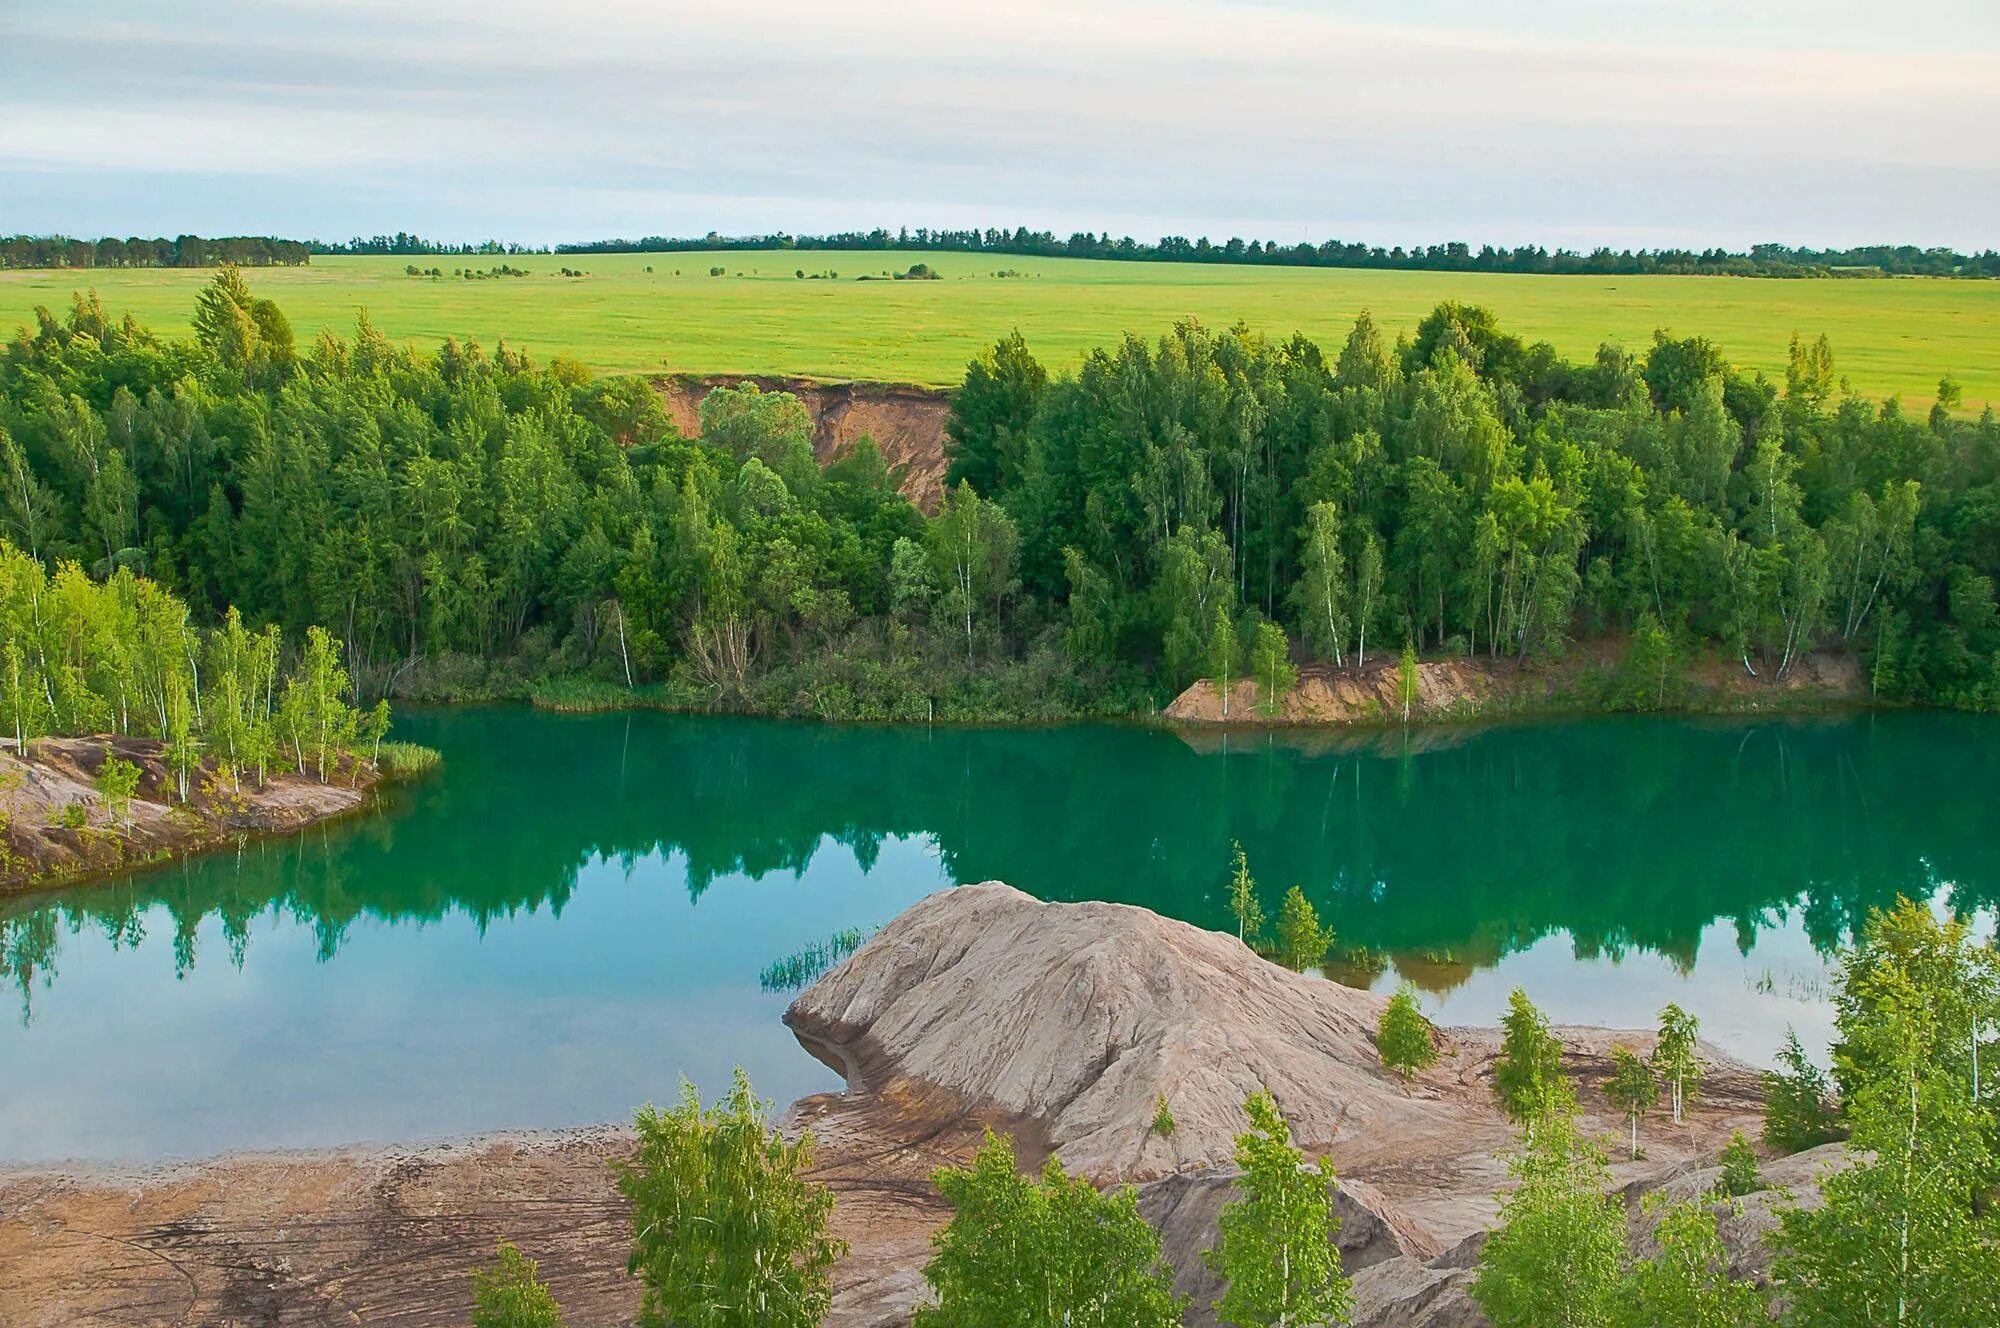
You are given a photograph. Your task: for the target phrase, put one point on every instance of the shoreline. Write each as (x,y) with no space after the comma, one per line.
(41,854)
(364,1231)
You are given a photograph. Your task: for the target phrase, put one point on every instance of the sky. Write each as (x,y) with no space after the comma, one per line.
(1558,122)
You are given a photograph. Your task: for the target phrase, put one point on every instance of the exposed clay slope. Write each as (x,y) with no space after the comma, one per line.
(1460,688)
(59,772)
(907,423)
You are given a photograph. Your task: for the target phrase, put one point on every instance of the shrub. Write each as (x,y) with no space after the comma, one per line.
(509,1294)
(1051,1251)
(73,816)
(1798,1113)
(722,1216)
(1163,1118)
(1302,941)
(117,780)
(1404,1038)
(1739,1168)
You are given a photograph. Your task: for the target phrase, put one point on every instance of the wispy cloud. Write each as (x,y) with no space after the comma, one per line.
(1661,120)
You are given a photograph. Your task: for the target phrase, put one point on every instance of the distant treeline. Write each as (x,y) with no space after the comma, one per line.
(30,251)
(62,251)
(1764,260)
(402,242)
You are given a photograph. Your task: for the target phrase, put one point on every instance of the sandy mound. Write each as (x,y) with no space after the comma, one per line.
(1087,1014)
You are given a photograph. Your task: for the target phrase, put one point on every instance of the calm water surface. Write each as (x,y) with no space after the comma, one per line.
(578,912)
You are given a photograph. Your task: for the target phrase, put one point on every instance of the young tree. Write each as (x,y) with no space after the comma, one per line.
(1021,1253)
(1406,679)
(1278,1256)
(1271,664)
(1674,1059)
(117,780)
(1367,590)
(1302,941)
(1687,1284)
(1740,1175)
(1902,1236)
(727,1232)
(1632,1089)
(1320,597)
(1557,1258)
(1527,1074)
(1798,1111)
(1222,650)
(1243,899)
(509,1293)
(1405,1039)
(973,546)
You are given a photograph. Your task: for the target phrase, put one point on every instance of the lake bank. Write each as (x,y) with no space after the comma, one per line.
(59,826)
(329,1236)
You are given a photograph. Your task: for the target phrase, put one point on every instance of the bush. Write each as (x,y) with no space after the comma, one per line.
(1163,1118)
(1798,1113)
(1739,1168)
(722,1215)
(509,1294)
(1404,1038)
(117,780)
(73,816)
(1050,1251)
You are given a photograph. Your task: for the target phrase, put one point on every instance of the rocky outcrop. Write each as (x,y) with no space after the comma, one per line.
(906,422)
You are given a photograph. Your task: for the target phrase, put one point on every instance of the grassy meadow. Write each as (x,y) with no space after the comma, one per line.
(1889,336)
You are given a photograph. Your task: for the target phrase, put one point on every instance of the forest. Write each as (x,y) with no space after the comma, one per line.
(1209,504)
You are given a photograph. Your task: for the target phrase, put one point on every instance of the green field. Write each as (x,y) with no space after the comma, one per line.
(1889,336)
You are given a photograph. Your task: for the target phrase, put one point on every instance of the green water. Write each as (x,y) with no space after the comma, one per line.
(578,911)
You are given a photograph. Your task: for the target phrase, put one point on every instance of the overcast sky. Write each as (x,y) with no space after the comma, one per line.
(1571,122)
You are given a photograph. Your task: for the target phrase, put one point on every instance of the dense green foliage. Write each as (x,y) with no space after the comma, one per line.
(509,1293)
(1476,495)
(1740,1175)
(1909,1234)
(1557,1259)
(1687,1283)
(1149,518)
(124,655)
(726,1230)
(1279,1256)
(1404,1038)
(1047,1253)
(443,512)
